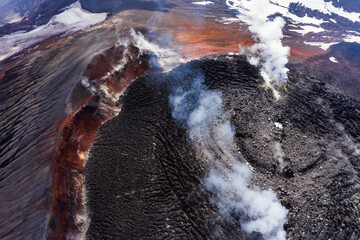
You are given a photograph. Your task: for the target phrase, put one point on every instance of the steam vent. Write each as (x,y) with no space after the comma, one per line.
(180,119)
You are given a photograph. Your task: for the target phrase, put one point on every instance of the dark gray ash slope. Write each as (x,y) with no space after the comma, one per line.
(144,179)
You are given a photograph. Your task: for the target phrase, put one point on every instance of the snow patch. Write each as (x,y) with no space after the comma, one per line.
(333,59)
(203,3)
(78,18)
(227,21)
(308,23)
(281,7)
(73,19)
(323,7)
(321,45)
(15,18)
(278,125)
(307,29)
(352,38)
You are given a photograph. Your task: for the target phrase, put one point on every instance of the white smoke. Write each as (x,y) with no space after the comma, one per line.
(268,51)
(353,146)
(167,58)
(348,141)
(232,192)
(279,155)
(212,134)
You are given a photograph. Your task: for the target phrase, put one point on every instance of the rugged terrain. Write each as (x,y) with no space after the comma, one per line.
(144,179)
(63,66)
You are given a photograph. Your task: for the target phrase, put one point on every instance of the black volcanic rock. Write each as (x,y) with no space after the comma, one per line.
(348,5)
(344,74)
(144,179)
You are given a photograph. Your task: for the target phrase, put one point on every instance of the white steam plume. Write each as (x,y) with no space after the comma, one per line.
(212,134)
(268,51)
(279,155)
(167,59)
(267,215)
